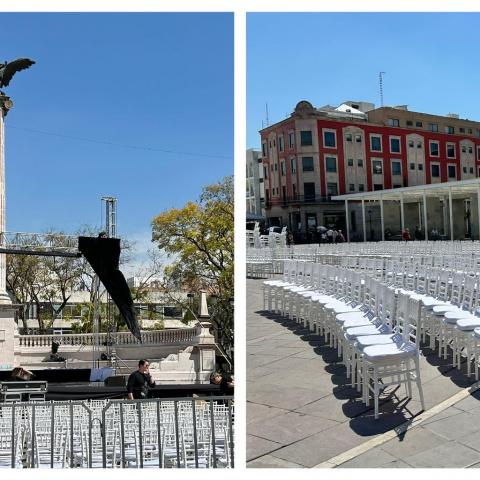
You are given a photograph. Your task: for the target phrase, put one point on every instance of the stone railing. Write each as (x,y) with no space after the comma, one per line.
(154,337)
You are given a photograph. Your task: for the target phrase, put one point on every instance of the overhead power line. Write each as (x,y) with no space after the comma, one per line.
(123,145)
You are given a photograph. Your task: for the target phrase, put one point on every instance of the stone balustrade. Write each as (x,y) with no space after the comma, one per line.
(154,337)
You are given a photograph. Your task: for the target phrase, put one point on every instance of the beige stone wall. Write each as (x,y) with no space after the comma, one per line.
(355,151)
(381,116)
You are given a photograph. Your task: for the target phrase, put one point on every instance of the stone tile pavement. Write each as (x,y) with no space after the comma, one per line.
(302,412)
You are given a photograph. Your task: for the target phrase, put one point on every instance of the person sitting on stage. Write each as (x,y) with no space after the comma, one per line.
(140,381)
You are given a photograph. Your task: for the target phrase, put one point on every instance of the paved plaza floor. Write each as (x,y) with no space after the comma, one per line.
(301,412)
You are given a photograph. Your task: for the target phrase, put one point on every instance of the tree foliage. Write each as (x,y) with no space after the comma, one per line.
(199,239)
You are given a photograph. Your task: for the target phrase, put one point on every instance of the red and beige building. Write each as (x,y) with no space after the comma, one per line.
(318,153)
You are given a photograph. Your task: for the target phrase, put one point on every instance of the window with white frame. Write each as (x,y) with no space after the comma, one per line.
(394,145)
(452,171)
(329,139)
(291,139)
(331,164)
(375,143)
(307,164)
(280,143)
(435,170)
(332,189)
(450,150)
(396,167)
(293,164)
(377,167)
(306,139)
(434,149)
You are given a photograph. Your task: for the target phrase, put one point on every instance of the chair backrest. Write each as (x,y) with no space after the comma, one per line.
(457,288)
(386,304)
(468,300)
(422,279)
(300,272)
(307,273)
(406,318)
(443,289)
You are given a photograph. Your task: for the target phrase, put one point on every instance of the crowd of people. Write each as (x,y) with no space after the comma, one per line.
(418,234)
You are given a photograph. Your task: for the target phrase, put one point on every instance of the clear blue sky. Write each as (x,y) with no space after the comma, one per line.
(430,60)
(159,81)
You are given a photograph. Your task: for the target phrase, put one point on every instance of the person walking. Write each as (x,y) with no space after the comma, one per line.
(140,381)
(406,235)
(330,235)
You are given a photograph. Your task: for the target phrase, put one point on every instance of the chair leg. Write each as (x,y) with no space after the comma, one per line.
(376,391)
(419,381)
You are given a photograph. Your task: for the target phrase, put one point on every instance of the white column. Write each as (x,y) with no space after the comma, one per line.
(478,210)
(420,221)
(425,214)
(381,218)
(450,212)
(347,221)
(363,221)
(5,104)
(402,213)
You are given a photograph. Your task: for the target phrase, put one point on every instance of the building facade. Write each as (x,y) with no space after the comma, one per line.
(255,193)
(318,153)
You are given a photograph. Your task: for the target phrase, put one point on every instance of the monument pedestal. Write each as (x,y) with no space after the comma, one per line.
(9,342)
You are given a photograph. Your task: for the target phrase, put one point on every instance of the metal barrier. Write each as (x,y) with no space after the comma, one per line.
(150,433)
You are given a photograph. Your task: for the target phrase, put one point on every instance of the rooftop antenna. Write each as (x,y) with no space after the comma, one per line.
(380,80)
(266,111)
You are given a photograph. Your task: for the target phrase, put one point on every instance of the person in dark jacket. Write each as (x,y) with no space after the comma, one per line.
(140,381)
(225,381)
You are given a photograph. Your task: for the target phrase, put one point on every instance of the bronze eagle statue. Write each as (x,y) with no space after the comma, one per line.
(9,69)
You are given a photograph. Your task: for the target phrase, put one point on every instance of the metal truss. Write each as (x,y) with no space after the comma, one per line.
(43,244)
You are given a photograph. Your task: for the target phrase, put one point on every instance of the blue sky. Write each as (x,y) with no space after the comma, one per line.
(430,62)
(155,81)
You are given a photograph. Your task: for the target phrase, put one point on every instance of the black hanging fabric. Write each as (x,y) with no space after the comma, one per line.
(103,254)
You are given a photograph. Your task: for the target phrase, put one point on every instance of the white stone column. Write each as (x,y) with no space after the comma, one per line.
(347,221)
(364,226)
(382,221)
(425,223)
(5,105)
(450,212)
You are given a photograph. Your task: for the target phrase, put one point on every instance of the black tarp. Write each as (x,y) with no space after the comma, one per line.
(103,254)
(57,375)
(84,392)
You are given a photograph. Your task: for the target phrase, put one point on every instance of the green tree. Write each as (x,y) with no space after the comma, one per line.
(199,240)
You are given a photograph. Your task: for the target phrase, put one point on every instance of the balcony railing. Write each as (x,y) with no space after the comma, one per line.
(154,337)
(299,199)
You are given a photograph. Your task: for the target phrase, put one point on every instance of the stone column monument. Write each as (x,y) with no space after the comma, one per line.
(5,105)
(9,352)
